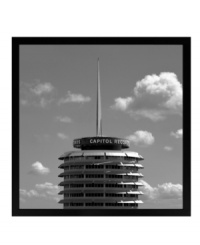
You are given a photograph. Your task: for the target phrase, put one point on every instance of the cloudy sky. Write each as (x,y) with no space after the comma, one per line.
(141,89)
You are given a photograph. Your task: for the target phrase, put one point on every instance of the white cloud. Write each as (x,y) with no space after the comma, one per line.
(154,115)
(178,134)
(64,119)
(38,168)
(42,88)
(122,103)
(62,136)
(165,85)
(36,93)
(31,193)
(49,188)
(46,190)
(141,138)
(168,148)
(154,97)
(44,102)
(164,191)
(77,98)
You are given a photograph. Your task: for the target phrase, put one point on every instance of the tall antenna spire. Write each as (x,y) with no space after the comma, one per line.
(99,120)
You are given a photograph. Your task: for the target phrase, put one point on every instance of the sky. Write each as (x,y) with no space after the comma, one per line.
(141,89)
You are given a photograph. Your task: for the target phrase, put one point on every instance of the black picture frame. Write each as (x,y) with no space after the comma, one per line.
(186,45)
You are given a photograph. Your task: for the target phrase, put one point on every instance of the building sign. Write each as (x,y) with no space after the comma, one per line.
(101,141)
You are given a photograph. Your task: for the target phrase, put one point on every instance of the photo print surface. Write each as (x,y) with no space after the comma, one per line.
(101,127)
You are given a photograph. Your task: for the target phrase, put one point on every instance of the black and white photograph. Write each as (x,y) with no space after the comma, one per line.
(100,122)
(101,126)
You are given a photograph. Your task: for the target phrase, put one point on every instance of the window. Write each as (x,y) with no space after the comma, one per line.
(99,157)
(89,157)
(76,176)
(77,195)
(113,195)
(113,157)
(130,186)
(113,167)
(77,167)
(130,195)
(114,185)
(94,185)
(77,157)
(130,177)
(93,204)
(94,176)
(94,194)
(77,185)
(130,168)
(130,204)
(76,204)
(114,176)
(114,204)
(92,166)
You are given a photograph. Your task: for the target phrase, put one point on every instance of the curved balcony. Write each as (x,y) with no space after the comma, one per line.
(100,179)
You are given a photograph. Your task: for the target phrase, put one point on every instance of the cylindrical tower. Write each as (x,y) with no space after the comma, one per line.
(103,174)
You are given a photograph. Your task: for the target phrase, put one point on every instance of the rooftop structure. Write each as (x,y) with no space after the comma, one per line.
(103,174)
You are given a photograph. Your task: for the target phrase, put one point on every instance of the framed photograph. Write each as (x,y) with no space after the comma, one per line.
(101,126)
